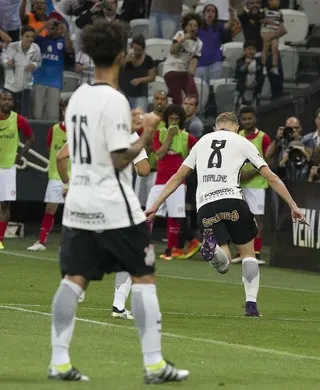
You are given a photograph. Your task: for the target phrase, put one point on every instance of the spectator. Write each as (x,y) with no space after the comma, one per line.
(312,140)
(295,162)
(20,60)
(5,39)
(10,19)
(138,71)
(181,64)
(251,19)
(98,9)
(135,9)
(84,66)
(211,35)
(48,79)
(249,78)
(193,123)
(271,24)
(165,16)
(37,18)
(314,174)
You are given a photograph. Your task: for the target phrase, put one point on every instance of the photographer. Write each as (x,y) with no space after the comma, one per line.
(294,165)
(285,134)
(106,9)
(314,175)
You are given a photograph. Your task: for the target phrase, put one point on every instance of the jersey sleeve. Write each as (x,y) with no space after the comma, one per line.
(190,161)
(117,124)
(23,126)
(192,140)
(251,153)
(266,141)
(49,137)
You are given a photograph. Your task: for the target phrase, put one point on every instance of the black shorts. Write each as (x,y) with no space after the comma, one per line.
(230,220)
(92,254)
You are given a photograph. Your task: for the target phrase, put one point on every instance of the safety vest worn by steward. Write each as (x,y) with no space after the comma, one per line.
(179,142)
(59,138)
(257,181)
(9,140)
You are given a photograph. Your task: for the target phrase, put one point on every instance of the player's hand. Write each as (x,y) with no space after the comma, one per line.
(137,116)
(297,215)
(173,130)
(151,214)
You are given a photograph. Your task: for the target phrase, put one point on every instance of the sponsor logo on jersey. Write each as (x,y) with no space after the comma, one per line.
(7,136)
(223,216)
(225,192)
(81,180)
(214,178)
(86,218)
(3,128)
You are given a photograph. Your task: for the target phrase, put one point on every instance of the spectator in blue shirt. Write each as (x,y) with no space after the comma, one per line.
(48,79)
(312,140)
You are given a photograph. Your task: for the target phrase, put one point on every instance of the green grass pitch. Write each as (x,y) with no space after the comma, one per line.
(204,329)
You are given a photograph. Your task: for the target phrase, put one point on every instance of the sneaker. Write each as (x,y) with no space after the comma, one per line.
(251,310)
(166,374)
(1,245)
(213,254)
(71,375)
(258,257)
(264,71)
(178,253)
(37,247)
(123,314)
(166,255)
(236,259)
(81,298)
(193,248)
(208,245)
(275,70)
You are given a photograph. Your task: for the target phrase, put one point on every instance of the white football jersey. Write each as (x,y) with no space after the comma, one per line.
(98,121)
(219,157)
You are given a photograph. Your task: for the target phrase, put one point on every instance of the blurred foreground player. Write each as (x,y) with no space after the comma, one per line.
(104,227)
(11,125)
(223,215)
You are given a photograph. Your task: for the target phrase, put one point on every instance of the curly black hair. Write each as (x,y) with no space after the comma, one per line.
(104,40)
(174,109)
(188,17)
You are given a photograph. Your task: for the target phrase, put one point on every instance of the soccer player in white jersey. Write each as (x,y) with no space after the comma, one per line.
(122,282)
(104,227)
(223,215)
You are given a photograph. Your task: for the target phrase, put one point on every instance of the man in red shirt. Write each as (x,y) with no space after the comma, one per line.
(55,140)
(11,126)
(171,145)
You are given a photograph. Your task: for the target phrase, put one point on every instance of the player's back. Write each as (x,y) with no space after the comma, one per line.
(219,158)
(99,197)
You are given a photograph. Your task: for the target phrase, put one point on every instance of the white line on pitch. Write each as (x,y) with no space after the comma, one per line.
(181,337)
(175,313)
(5,252)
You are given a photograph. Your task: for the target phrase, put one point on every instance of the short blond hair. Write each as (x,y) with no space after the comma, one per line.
(227,117)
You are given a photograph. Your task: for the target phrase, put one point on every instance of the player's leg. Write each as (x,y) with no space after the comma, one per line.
(122,284)
(79,264)
(7,195)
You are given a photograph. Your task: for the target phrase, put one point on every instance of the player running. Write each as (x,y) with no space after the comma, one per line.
(223,215)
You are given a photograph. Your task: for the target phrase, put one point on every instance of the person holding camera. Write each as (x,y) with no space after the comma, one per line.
(92,10)
(312,140)
(294,165)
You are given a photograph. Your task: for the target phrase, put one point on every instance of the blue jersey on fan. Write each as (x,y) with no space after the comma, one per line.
(50,72)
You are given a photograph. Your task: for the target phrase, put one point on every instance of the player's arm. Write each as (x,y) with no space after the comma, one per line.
(173,183)
(62,164)
(162,149)
(25,128)
(142,168)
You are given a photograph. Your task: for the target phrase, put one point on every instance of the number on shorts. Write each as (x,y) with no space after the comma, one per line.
(81,149)
(215,159)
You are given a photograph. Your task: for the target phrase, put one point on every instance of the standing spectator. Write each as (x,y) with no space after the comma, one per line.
(252,183)
(171,145)
(20,60)
(5,39)
(138,71)
(10,19)
(92,10)
(312,140)
(193,123)
(251,19)
(181,64)
(249,78)
(84,66)
(165,16)
(37,17)
(135,9)
(211,35)
(12,125)
(48,79)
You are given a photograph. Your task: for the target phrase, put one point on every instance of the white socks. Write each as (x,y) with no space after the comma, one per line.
(64,308)
(250,278)
(122,286)
(146,311)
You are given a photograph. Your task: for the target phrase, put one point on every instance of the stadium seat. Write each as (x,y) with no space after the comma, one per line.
(158,48)
(119,6)
(232,51)
(70,81)
(203,91)
(140,27)
(227,71)
(290,61)
(199,8)
(311,8)
(224,94)
(297,25)
(157,85)
(160,69)
(185,9)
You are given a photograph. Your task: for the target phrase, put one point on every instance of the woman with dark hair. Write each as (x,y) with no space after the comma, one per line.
(211,34)
(181,64)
